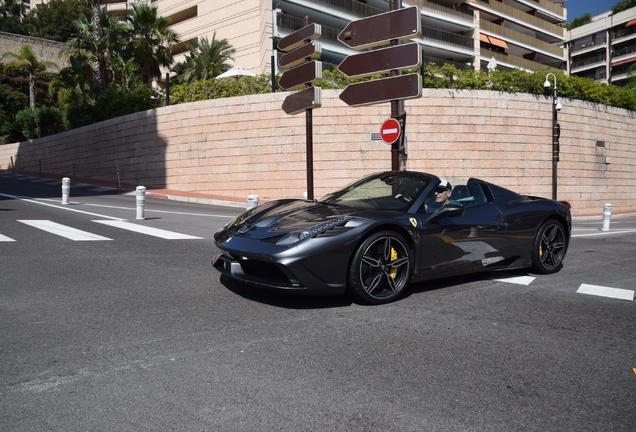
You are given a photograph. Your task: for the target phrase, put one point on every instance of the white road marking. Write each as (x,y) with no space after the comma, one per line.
(5,238)
(604,233)
(602,291)
(519,280)
(63,230)
(156,232)
(58,207)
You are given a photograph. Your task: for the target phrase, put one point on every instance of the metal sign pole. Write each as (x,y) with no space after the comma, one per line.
(396,106)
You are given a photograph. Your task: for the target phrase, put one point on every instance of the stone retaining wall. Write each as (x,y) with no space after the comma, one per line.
(44,49)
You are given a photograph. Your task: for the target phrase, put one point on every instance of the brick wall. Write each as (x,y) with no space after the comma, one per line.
(248,145)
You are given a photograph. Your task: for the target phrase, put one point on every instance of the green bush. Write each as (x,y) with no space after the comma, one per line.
(41,122)
(49,121)
(220,88)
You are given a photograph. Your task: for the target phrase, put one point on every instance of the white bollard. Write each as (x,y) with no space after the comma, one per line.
(305,196)
(141,201)
(607,215)
(252,201)
(66,189)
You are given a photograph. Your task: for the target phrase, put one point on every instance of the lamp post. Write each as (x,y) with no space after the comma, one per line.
(556,132)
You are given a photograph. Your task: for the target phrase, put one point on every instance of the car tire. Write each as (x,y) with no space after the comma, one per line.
(549,247)
(380,268)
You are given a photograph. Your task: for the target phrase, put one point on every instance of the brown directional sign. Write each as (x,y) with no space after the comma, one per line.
(303,100)
(383,60)
(297,77)
(298,38)
(380,29)
(383,90)
(298,56)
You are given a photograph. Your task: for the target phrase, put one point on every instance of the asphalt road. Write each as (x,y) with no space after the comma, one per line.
(134,332)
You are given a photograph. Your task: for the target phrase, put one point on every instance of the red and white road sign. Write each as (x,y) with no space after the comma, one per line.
(390,131)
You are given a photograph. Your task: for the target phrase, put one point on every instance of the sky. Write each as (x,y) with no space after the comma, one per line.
(578,8)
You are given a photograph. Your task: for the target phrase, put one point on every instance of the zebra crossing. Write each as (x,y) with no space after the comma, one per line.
(75,234)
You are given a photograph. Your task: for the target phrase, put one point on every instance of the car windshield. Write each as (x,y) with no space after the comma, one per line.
(393,191)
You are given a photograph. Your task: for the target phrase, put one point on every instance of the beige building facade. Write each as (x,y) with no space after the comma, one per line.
(526,34)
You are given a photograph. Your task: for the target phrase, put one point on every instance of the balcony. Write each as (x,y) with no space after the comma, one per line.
(444,9)
(288,24)
(441,62)
(547,5)
(522,39)
(588,62)
(517,62)
(598,43)
(513,15)
(446,38)
(625,32)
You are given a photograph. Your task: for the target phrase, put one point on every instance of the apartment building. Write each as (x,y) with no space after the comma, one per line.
(526,34)
(605,48)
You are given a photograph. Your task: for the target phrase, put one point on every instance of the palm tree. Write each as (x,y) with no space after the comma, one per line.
(152,41)
(631,73)
(123,71)
(205,60)
(26,58)
(97,36)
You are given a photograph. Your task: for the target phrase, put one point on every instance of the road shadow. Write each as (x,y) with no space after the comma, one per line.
(286,300)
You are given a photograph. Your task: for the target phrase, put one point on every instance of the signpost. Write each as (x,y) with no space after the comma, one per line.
(303,100)
(302,72)
(398,57)
(376,30)
(383,90)
(296,78)
(382,29)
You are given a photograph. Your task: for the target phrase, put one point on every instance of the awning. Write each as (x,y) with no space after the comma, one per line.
(493,41)
(618,63)
(629,23)
(498,42)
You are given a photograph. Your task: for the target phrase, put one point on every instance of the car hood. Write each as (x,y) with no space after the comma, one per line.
(278,218)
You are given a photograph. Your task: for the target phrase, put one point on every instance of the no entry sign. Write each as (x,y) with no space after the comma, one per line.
(390,131)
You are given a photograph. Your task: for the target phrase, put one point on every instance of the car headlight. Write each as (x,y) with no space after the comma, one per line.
(296,236)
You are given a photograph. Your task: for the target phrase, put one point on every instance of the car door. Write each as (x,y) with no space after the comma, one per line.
(462,244)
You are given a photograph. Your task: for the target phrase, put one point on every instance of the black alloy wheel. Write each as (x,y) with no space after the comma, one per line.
(549,248)
(381,268)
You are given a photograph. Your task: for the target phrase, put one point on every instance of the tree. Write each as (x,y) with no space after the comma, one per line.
(152,41)
(123,71)
(631,73)
(11,17)
(27,60)
(54,19)
(97,38)
(623,5)
(580,21)
(205,60)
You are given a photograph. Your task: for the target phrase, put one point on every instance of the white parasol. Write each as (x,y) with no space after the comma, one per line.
(236,72)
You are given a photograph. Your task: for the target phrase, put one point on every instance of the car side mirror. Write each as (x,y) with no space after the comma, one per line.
(449,210)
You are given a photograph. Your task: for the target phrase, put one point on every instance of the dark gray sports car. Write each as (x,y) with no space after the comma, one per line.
(376,235)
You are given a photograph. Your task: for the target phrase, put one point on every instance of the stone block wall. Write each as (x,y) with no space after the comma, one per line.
(44,49)
(247,145)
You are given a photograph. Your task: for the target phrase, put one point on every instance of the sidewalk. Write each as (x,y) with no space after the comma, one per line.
(127,189)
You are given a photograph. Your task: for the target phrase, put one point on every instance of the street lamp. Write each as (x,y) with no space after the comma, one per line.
(556,132)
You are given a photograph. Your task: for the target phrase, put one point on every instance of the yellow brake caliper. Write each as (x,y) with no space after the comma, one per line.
(394,256)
